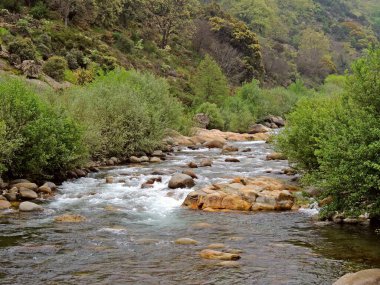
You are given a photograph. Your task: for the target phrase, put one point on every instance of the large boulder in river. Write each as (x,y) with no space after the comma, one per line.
(181,181)
(364,277)
(243,194)
(258,128)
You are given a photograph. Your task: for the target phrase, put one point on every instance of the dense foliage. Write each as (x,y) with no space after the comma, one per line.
(124,113)
(335,140)
(36,140)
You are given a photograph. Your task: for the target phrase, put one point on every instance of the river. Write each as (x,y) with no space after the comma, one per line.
(129,232)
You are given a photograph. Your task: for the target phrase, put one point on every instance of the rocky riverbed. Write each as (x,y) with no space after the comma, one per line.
(132,224)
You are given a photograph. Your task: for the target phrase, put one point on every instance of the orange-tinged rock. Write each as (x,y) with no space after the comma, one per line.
(69,219)
(213,254)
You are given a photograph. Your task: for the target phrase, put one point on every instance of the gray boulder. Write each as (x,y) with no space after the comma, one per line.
(181,181)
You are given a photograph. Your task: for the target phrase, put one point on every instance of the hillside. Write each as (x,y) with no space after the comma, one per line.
(279,43)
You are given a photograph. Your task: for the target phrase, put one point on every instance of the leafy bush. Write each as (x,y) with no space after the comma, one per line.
(23,48)
(124,112)
(335,139)
(36,140)
(213,112)
(262,102)
(124,43)
(237,115)
(39,11)
(55,67)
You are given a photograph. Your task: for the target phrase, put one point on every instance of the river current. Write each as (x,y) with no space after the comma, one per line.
(129,233)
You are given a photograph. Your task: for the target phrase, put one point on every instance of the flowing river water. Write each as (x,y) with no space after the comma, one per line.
(129,234)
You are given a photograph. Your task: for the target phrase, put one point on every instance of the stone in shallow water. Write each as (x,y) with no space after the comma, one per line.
(4,205)
(181,181)
(364,277)
(213,254)
(216,246)
(29,207)
(230,264)
(67,218)
(201,225)
(186,241)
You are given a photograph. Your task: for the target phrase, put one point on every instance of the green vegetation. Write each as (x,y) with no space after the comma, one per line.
(123,113)
(36,139)
(55,67)
(334,139)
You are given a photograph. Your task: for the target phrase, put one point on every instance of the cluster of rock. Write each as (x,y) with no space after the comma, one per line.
(243,194)
(273,122)
(265,125)
(217,251)
(212,138)
(20,192)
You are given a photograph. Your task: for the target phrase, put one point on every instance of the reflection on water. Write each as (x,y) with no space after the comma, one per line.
(129,233)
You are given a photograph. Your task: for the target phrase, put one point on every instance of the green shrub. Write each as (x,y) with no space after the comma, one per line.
(23,48)
(39,141)
(55,67)
(306,127)
(335,140)
(213,112)
(262,102)
(124,43)
(237,115)
(39,11)
(124,112)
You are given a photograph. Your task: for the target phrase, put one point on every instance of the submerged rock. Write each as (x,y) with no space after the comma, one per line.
(206,162)
(364,277)
(243,194)
(186,241)
(181,181)
(213,254)
(276,156)
(230,148)
(67,218)
(214,144)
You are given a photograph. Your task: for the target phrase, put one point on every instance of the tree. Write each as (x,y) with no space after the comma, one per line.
(314,59)
(109,12)
(82,11)
(209,83)
(168,17)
